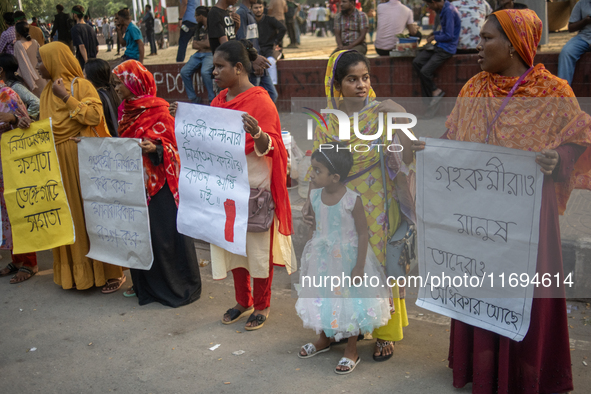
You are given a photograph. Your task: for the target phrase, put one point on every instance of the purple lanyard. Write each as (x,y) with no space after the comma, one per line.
(505,102)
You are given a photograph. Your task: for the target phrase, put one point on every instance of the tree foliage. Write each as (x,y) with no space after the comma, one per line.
(45,9)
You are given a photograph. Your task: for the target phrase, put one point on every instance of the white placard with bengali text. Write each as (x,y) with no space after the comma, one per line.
(213,184)
(115,204)
(478,210)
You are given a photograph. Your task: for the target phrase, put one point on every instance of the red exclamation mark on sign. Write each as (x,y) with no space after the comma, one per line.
(230,207)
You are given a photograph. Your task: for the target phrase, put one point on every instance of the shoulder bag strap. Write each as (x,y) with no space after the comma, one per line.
(505,102)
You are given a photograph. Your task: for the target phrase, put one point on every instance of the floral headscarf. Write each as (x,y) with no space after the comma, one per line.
(524,30)
(146,116)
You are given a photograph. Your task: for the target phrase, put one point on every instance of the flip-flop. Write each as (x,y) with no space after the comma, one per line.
(111,282)
(260,319)
(126,293)
(347,362)
(311,351)
(236,315)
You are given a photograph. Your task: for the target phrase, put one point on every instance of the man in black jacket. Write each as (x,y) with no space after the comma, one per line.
(271,33)
(62,24)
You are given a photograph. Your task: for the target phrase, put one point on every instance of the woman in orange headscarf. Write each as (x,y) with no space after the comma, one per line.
(76,110)
(549,122)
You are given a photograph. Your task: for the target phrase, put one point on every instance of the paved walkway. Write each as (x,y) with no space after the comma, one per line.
(310,48)
(69,341)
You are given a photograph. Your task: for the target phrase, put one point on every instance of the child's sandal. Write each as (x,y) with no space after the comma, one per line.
(311,351)
(347,362)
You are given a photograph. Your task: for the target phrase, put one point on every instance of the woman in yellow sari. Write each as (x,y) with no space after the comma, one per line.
(74,114)
(348,88)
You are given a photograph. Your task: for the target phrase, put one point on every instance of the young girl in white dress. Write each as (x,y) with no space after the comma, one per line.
(339,248)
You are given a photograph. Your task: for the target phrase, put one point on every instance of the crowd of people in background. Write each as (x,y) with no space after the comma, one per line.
(455,25)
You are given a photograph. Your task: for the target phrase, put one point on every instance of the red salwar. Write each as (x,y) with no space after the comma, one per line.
(27,259)
(262,286)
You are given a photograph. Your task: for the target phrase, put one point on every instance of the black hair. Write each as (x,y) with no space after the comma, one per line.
(201,11)
(346,61)
(59,7)
(239,51)
(18,15)
(336,158)
(261,2)
(78,10)
(98,72)
(22,28)
(34,19)
(9,18)
(124,13)
(10,66)
(148,6)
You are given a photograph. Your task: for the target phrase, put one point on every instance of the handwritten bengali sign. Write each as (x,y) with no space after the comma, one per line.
(115,205)
(478,210)
(36,201)
(213,184)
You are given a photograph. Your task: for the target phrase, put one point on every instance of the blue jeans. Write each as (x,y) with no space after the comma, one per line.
(184,39)
(265,82)
(203,60)
(569,56)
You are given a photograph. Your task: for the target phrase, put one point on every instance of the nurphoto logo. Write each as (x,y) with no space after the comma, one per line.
(345,129)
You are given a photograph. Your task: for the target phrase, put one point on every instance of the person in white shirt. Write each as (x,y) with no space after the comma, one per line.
(321,19)
(473,15)
(312,19)
(393,18)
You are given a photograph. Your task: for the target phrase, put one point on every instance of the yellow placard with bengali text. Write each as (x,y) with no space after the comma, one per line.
(36,201)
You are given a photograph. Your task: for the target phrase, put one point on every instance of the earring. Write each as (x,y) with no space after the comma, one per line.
(511,54)
(238,73)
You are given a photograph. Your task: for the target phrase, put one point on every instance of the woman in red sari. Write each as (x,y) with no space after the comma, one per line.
(266,159)
(550,122)
(174,279)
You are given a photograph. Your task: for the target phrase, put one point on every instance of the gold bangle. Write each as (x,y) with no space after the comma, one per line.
(66,97)
(258,134)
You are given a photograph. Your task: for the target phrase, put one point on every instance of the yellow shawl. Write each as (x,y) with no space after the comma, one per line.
(60,63)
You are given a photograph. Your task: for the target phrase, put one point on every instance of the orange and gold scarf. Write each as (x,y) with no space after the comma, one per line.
(543,113)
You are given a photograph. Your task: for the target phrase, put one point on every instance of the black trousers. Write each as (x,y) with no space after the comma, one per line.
(382,52)
(291,31)
(152,39)
(426,63)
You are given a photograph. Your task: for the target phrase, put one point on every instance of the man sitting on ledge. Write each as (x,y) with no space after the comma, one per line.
(350,28)
(431,58)
(580,20)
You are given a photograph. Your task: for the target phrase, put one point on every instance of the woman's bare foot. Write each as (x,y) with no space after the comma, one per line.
(264,312)
(113,285)
(227,318)
(24,274)
(9,269)
(383,350)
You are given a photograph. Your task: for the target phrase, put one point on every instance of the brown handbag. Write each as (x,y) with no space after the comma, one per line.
(261,210)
